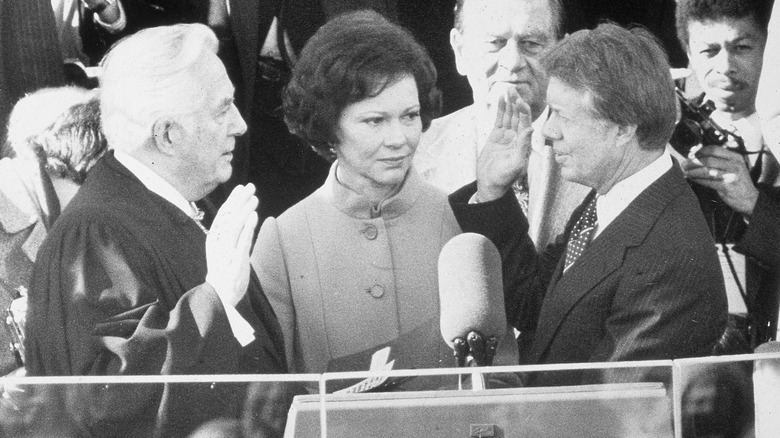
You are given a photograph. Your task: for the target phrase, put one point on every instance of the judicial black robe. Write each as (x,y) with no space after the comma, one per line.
(119,288)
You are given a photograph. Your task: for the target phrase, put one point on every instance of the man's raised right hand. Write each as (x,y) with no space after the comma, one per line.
(228,244)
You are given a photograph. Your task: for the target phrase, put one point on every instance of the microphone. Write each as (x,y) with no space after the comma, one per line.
(471,297)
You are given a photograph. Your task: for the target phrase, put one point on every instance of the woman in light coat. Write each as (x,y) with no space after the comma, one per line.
(352,268)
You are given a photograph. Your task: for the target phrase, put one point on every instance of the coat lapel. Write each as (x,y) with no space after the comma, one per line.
(602,257)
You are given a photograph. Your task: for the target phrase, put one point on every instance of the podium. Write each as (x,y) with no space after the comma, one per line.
(598,411)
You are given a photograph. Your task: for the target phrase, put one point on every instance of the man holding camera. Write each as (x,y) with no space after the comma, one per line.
(735,180)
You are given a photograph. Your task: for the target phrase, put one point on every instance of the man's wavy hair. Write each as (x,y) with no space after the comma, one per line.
(60,128)
(718,10)
(353,57)
(626,72)
(74,142)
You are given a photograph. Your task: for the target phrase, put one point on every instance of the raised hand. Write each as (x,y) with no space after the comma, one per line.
(505,155)
(228,244)
(724,171)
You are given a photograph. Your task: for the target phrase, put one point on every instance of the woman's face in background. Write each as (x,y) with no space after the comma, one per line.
(378,137)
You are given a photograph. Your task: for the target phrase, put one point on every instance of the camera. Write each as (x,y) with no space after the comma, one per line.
(696,127)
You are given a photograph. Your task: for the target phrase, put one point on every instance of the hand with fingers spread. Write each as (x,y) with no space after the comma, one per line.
(724,171)
(229,242)
(505,155)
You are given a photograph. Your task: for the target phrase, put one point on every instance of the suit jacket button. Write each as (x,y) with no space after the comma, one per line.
(370,232)
(376,291)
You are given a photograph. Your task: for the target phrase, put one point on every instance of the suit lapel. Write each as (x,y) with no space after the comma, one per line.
(603,256)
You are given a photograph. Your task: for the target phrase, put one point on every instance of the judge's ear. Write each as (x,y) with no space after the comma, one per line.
(456,42)
(167,134)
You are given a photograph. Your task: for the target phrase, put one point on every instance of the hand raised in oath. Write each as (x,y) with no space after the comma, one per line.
(228,244)
(505,155)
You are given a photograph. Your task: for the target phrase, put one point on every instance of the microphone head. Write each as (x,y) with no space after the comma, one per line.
(471,288)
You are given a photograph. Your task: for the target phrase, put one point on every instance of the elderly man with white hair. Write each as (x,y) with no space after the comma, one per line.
(128,281)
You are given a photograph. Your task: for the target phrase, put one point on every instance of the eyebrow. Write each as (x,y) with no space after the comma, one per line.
(371,112)
(536,33)
(740,38)
(747,36)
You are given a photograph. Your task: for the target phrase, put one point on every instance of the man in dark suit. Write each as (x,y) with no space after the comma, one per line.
(104,22)
(127,282)
(634,276)
(29,53)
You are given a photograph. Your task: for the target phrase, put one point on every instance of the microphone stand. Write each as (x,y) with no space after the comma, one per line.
(480,350)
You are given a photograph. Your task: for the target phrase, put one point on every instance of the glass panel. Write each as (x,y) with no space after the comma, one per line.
(148,406)
(615,400)
(724,396)
(729,396)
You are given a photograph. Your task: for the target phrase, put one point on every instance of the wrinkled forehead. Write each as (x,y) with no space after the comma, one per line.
(483,16)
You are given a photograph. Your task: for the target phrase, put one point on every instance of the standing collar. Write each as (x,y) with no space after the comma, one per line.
(358,206)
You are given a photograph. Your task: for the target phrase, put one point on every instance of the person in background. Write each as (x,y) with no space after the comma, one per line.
(718,400)
(734,179)
(79,24)
(55,137)
(766,244)
(128,282)
(88,28)
(353,267)
(499,44)
(636,276)
(29,54)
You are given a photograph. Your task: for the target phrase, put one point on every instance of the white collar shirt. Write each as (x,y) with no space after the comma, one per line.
(156,184)
(611,204)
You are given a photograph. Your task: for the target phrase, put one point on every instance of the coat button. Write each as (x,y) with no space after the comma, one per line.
(370,232)
(376,291)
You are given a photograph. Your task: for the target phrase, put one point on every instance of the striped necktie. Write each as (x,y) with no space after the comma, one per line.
(581,234)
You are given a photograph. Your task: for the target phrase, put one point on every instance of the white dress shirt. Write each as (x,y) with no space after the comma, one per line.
(611,204)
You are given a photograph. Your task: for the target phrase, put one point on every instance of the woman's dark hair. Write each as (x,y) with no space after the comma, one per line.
(353,57)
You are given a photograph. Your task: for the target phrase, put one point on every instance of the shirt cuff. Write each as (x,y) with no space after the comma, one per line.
(118,25)
(242,330)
